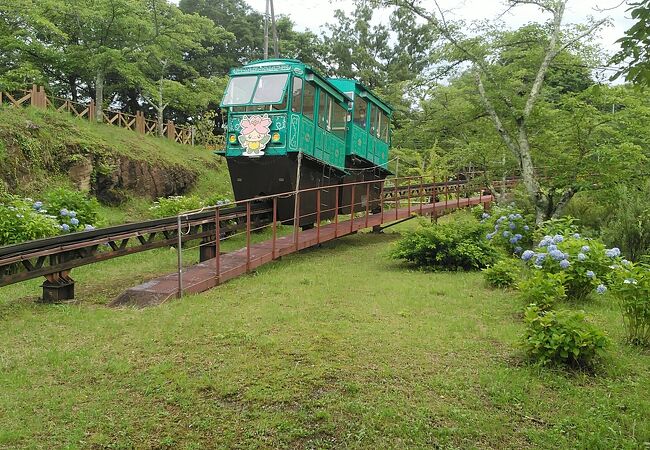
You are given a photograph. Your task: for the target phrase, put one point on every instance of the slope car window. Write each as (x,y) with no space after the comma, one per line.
(240,90)
(374,121)
(338,122)
(360,111)
(324,103)
(296,95)
(384,127)
(270,88)
(308,101)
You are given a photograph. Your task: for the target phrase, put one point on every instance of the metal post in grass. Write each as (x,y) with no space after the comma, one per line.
(367,203)
(217,242)
(395,199)
(179,253)
(248,236)
(275,225)
(318,216)
(336,213)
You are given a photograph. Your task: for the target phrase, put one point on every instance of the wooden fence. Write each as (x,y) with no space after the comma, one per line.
(37,98)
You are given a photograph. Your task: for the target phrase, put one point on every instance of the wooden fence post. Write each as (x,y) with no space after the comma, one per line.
(42,97)
(91,110)
(33,98)
(139,122)
(171,131)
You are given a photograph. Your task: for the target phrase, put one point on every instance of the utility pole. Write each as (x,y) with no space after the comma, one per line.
(276,52)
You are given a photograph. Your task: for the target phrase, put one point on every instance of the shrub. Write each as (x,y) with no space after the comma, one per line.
(217,199)
(630,225)
(562,337)
(74,210)
(450,246)
(586,263)
(20,221)
(564,226)
(172,206)
(503,274)
(511,231)
(543,289)
(632,289)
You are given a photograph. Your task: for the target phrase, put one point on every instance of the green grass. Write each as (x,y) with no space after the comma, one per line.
(331,348)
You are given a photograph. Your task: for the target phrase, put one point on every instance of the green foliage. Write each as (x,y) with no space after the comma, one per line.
(205,132)
(562,337)
(20,221)
(458,244)
(634,53)
(545,290)
(629,225)
(172,206)
(632,289)
(69,205)
(563,226)
(503,274)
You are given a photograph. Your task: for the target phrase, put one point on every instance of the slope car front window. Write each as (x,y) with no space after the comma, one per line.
(240,90)
(270,88)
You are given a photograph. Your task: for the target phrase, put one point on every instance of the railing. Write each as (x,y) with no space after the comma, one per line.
(353,207)
(38,98)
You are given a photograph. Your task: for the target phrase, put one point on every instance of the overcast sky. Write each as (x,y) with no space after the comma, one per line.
(312,14)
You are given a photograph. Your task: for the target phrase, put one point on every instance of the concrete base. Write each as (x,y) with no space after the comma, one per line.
(58,290)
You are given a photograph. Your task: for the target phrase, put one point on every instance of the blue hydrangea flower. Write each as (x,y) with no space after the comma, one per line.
(581,256)
(613,252)
(511,216)
(540,259)
(630,281)
(512,226)
(601,288)
(74,221)
(485,216)
(496,227)
(558,238)
(72,214)
(557,255)
(590,274)
(517,216)
(505,234)
(585,249)
(518,236)
(489,236)
(501,219)
(527,255)
(547,240)
(576,235)
(65,227)
(89,228)
(625,262)
(20,216)
(37,205)
(526,228)
(513,240)
(518,250)
(551,247)
(565,263)
(63,212)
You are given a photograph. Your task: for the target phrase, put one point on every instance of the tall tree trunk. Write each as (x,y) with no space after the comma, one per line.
(160,108)
(99,94)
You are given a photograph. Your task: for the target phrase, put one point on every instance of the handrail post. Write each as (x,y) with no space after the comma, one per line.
(248,236)
(275,225)
(446,192)
(381,201)
(318,216)
(395,199)
(458,194)
(296,220)
(367,203)
(217,245)
(336,214)
(179,256)
(352,208)
(421,197)
(408,198)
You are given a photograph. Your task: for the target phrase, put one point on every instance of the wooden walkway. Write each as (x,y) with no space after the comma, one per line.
(201,277)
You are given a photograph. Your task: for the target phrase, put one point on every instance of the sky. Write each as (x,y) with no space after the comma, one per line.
(312,14)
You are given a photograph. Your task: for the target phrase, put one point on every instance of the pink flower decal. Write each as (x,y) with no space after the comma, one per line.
(260,124)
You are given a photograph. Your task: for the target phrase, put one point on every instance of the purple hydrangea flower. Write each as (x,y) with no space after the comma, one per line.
(558,238)
(501,219)
(63,212)
(518,236)
(65,227)
(512,226)
(527,255)
(74,221)
(551,247)
(601,288)
(565,263)
(489,236)
(513,240)
(540,259)
(557,255)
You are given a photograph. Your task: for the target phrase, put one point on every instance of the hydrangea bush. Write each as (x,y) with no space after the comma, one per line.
(586,263)
(545,290)
(172,206)
(510,229)
(503,274)
(562,337)
(74,210)
(631,287)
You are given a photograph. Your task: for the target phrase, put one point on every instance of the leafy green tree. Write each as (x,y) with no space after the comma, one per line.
(635,46)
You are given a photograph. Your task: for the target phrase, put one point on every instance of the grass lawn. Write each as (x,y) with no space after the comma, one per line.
(331,348)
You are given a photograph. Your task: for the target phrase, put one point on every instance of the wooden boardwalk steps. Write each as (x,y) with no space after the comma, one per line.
(202,276)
